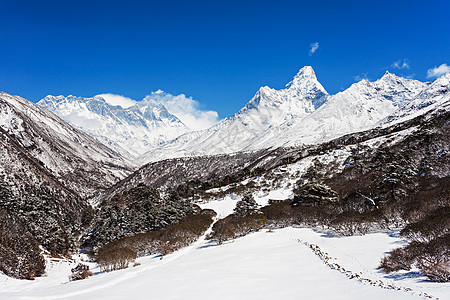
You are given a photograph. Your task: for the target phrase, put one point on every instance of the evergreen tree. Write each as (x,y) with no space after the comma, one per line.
(246,206)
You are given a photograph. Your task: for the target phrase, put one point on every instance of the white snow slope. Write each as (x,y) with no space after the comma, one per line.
(63,150)
(301,113)
(262,265)
(131,131)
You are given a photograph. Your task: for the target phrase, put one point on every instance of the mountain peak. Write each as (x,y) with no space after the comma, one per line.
(304,74)
(306,86)
(129,130)
(388,75)
(306,71)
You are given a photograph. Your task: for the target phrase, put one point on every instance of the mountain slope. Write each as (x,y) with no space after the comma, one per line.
(130,131)
(302,113)
(35,210)
(74,158)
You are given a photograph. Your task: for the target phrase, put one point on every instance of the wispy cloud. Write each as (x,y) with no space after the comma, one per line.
(186,109)
(113,99)
(313,48)
(438,71)
(361,77)
(400,64)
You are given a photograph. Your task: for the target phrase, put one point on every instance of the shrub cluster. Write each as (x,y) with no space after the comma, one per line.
(80,272)
(318,205)
(246,218)
(234,226)
(115,258)
(121,252)
(140,209)
(429,249)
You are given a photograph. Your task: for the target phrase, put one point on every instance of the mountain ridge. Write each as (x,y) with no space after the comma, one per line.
(301,113)
(129,131)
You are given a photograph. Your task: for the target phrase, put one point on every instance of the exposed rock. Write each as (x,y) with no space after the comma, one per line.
(315,194)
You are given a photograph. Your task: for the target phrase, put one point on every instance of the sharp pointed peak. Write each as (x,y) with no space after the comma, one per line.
(388,74)
(306,71)
(305,74)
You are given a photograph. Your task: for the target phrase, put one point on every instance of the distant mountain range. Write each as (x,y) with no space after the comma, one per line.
(130,131)
(301,113)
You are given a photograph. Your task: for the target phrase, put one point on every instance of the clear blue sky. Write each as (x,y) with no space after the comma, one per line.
(218,52)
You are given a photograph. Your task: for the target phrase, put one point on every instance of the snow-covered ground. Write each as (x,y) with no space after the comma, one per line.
(262,265)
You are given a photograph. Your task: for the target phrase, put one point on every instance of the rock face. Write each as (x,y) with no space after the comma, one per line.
(131,131)
(435,96)
(315,194)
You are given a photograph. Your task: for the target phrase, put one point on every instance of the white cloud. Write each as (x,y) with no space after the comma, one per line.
(399,64)
(361,77)
(186,109)
(313,48)
(438,71)
(113,99)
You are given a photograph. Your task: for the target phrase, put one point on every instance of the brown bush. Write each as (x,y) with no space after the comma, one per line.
(430,227)
(168,239)
(437,272)
(350,223)
(279,214)
(432,258)
(80,272)
(235,226)
(111,259)
(398,259)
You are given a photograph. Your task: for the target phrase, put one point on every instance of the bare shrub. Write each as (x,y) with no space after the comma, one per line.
(165,240)
(398,259)
(80,272)
(111,259)
(235,226)
(432,258)
(430,227)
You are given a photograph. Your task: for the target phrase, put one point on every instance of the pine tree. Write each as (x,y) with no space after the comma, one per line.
(246,206)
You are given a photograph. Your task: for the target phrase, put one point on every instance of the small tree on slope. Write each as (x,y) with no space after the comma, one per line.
(246,206)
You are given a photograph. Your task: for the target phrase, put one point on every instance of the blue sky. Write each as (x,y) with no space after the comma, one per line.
(218,52)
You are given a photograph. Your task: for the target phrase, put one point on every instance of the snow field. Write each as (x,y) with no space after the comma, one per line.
(262,265)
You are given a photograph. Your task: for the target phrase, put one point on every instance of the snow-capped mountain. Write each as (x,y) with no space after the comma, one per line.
(434,96)
(131,131)
(301,113)
(268,108)
(357,108)
(74,158)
